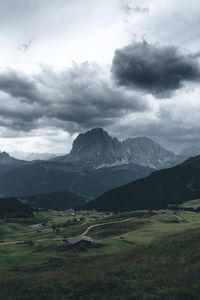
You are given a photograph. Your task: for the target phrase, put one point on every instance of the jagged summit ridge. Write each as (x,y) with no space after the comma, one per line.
(96,148)
(5,158)
(146,152)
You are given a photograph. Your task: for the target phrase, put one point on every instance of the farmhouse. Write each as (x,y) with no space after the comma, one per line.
(81,240)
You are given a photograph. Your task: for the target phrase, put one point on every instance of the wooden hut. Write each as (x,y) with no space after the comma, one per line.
(81,240)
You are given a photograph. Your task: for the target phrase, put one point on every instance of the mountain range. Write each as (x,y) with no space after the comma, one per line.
(96,164)
(97,149)
(8,163)
(30,156)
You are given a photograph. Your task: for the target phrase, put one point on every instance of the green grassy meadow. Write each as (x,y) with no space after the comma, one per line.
(154,255)
(191,203)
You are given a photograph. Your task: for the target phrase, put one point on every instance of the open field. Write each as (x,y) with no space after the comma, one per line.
(151,255)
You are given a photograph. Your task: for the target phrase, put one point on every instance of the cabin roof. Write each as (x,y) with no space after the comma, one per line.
(78,238)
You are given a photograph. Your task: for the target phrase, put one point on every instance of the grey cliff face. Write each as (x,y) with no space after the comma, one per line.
(96,149)
(146,152)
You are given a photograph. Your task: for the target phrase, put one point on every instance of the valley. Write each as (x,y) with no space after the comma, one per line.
(127,246)
(110,220)
(99,150)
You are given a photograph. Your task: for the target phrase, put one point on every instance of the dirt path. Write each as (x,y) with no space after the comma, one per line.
(101,224)
(179,218)
(60,239)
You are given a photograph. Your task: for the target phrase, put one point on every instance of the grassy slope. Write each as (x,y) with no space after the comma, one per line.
(192,203)
(46,177)
(169,186)
(149,257)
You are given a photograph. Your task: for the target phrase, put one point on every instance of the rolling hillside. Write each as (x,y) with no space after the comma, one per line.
(13,208)
(58,200)
(169,186)
(48,177)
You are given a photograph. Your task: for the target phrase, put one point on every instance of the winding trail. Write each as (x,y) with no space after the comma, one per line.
(60,239)
(101,224)
(179,218)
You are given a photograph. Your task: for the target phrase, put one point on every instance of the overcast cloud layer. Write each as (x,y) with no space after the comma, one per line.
(73,99)
(131,67)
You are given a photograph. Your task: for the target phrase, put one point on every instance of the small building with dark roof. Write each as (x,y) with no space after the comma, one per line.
(81,240)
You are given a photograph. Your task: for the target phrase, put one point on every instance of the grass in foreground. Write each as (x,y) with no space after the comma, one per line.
(153,256)
(165,269)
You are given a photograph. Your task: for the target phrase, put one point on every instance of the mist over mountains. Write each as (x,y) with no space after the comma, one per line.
(30,156)
(190,151)
(8,163)
(6,159)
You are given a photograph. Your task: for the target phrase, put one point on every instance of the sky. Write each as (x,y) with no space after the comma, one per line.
(129,66)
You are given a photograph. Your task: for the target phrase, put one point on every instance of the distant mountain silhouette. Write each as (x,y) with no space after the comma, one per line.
(96,163)
(58,200)
(8,163)
(168,186)
(31,156)
(190,151)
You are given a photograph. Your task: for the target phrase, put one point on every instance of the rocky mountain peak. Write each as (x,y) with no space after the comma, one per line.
(4,154)
(146,152)
(5,158)
(90,139)
(96,147)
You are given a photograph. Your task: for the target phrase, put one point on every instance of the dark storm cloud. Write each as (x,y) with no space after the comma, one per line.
(76,98)
(156,70)
(17,85)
